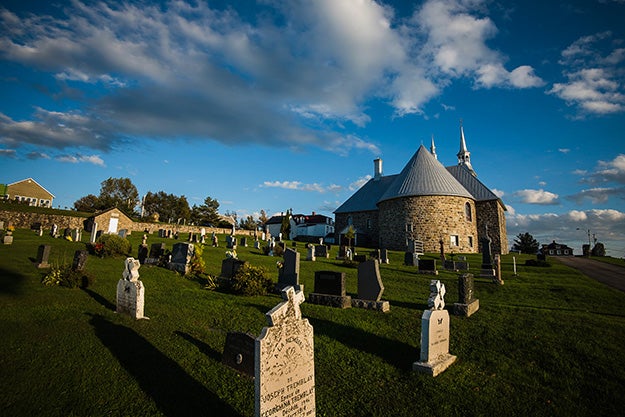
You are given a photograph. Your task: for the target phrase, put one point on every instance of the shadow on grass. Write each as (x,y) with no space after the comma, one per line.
(103,301)
(395,353)
(173,391)
(11,282)
(203,347)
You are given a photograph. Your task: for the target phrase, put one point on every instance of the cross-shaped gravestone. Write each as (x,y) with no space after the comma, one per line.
(437,294)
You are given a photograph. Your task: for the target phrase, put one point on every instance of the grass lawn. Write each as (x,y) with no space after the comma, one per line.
(547,343)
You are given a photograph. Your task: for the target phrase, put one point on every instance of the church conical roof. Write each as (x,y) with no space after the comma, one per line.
(424,175)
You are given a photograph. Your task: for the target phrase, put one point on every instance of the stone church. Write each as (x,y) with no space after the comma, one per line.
(429,202)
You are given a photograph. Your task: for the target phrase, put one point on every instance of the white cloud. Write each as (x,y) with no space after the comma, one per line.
(8,153)
(294,77)
(457,45)
(74,159)
(571,228)
(359,183)
(564,150)
(597,195)
(608,171)
(541,196)
(299,186)
(595,82)
(498,193)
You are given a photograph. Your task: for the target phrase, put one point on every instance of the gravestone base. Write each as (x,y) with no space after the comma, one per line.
(7,240)
(383,306)
(436,366)
(427,272)
(151,261)
(466,310)
(336,301)
(487,273)
(496,280)
(180,268)
(43,265)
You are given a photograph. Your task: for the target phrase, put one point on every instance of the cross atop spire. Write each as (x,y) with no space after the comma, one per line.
(433,148)
(464,156)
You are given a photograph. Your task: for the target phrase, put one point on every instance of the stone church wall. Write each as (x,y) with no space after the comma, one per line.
(492,213)
(430,219)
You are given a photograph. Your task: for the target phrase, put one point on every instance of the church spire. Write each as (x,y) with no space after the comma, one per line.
(433,148)
(464,156)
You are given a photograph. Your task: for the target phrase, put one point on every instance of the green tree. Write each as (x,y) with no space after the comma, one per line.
(350,234)
(249,223)
(89,203)
(168,206)
(525,243)
(120,193)
(206,213)
(285,228)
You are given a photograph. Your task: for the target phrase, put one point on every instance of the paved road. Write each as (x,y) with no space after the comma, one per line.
(612,275)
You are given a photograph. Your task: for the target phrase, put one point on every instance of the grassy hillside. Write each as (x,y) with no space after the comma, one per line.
(548,342)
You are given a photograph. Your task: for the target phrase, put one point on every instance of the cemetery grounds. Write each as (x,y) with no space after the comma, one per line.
(549,342)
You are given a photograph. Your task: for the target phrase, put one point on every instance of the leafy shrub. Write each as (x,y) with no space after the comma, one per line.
(65,276)
(111,245)
(197,265)
(250,280)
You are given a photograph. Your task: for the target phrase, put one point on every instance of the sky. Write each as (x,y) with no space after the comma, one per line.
(278,105)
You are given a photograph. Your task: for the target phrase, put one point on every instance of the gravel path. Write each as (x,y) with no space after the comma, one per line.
(612,275)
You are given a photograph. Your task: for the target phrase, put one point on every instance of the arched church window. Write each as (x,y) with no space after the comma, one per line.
(349,220)
(467,212)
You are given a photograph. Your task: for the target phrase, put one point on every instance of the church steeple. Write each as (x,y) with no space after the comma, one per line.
(433,148)
(464,156)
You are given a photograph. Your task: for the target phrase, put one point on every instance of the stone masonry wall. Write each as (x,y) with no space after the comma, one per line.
(492,213)
(27,220)
(432,218)
(359,221)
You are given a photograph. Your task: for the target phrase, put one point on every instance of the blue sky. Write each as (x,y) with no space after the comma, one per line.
(284,104)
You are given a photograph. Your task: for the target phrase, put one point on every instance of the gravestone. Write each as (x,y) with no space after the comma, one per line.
(130,291)
(43,254)
(76,235)
(256,244)
(229,267)
(54,230)
(321,251)
(80,259)
(94,233)
(143,253)
(497,278)
(428,266)
(462,266)
(370,287)
(467,303)
(239,352)
(360,258)
(67,232)
(449,265)
(435,357)
(284,383)
(156,251)
(181,255)
(487,264)
(310,256)
(342,252)
(231,242)
(288,275)
(330,290)
(411,259)
(243,241)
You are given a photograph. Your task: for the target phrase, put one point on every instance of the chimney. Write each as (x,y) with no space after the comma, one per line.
(377,169)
